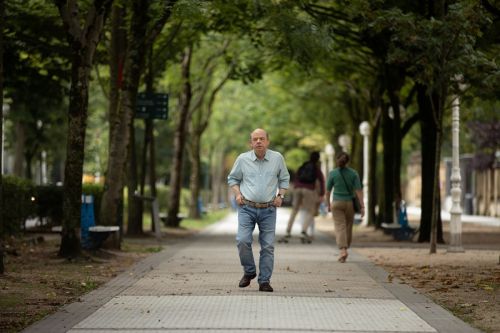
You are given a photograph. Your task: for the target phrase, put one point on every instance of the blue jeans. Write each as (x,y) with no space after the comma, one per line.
(265,218)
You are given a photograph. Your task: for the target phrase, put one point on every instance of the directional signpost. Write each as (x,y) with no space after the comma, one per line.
(151,106)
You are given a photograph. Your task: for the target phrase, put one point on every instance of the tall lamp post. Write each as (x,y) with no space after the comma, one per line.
(345,142)
(329,151)
(364,129)
(456,189)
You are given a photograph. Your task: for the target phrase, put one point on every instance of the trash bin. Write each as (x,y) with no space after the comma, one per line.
(87,220)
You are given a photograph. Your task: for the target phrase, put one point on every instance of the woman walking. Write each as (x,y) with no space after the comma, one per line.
(346,187)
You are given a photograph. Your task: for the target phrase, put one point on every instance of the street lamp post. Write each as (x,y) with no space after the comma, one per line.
(456,190)
(329,151)
(364,129)
(345,142)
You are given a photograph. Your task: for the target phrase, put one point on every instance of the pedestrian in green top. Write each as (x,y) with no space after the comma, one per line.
(346,184)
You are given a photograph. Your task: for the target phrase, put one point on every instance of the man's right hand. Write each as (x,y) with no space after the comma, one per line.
(239,199)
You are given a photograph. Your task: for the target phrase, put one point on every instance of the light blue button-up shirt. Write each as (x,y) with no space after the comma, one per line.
(259,180)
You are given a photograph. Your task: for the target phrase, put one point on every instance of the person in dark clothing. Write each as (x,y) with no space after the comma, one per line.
(308,192)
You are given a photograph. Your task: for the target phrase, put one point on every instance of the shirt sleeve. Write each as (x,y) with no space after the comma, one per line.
(284,175)
(236,175)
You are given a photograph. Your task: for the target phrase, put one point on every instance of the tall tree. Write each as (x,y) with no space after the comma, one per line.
(83,41)
(142,33)
(202,110)
(2,18)
(181,129)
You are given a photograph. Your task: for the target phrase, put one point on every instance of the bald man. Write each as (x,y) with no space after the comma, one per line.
(259,180)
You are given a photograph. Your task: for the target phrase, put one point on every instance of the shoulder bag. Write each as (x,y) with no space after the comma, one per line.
(355,200)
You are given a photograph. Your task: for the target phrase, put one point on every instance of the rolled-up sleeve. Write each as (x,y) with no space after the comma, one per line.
(236,174)
(284,176)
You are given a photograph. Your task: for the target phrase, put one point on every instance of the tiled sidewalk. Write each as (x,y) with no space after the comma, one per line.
(193,287)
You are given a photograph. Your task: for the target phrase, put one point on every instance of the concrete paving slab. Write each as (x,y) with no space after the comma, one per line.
(192,287)
(255,312)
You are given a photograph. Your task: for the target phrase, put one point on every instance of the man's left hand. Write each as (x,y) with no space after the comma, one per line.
(278,201)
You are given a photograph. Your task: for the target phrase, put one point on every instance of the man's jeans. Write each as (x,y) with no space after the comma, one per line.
(265,218)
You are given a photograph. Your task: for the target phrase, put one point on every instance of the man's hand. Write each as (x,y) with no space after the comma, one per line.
(239,199)
(277,201)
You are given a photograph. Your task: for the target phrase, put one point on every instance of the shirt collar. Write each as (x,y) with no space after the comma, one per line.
(254,157)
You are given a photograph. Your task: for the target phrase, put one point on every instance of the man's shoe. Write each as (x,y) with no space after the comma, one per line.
(265,286)
(245,280)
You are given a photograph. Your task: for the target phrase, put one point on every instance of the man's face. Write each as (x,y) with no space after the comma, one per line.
(259,141)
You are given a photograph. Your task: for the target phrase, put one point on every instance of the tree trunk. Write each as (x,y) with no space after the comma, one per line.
(430,166)
(134,222)
(194,182)
(120,137)
(2,24)
(148,133)
(428,133)
(179,142)
(387,138)
(152,167)
(372,176)
(83,44)
(73,171)
(19,149)
(217,167)
(118,47)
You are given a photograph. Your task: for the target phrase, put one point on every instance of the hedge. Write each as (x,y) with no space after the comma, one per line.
(17,205)
(22,200)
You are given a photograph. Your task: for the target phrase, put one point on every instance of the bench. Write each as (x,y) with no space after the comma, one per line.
(401,230)
(98,235)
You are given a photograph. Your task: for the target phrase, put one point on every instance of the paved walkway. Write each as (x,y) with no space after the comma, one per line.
(193,287)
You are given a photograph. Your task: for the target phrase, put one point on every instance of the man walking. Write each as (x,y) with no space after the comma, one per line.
(259,180)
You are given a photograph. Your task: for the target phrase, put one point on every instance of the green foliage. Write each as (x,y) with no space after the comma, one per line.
(434,50)
(295,157)
(36,72)
(17,205)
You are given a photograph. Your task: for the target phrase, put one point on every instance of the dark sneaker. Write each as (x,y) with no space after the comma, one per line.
(245,280)
(285,239)
(305,238)
(265,286)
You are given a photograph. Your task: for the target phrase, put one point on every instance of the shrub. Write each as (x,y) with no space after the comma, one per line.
(17,205)
(49,200)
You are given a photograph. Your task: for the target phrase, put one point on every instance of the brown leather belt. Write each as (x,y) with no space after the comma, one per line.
(258,204)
